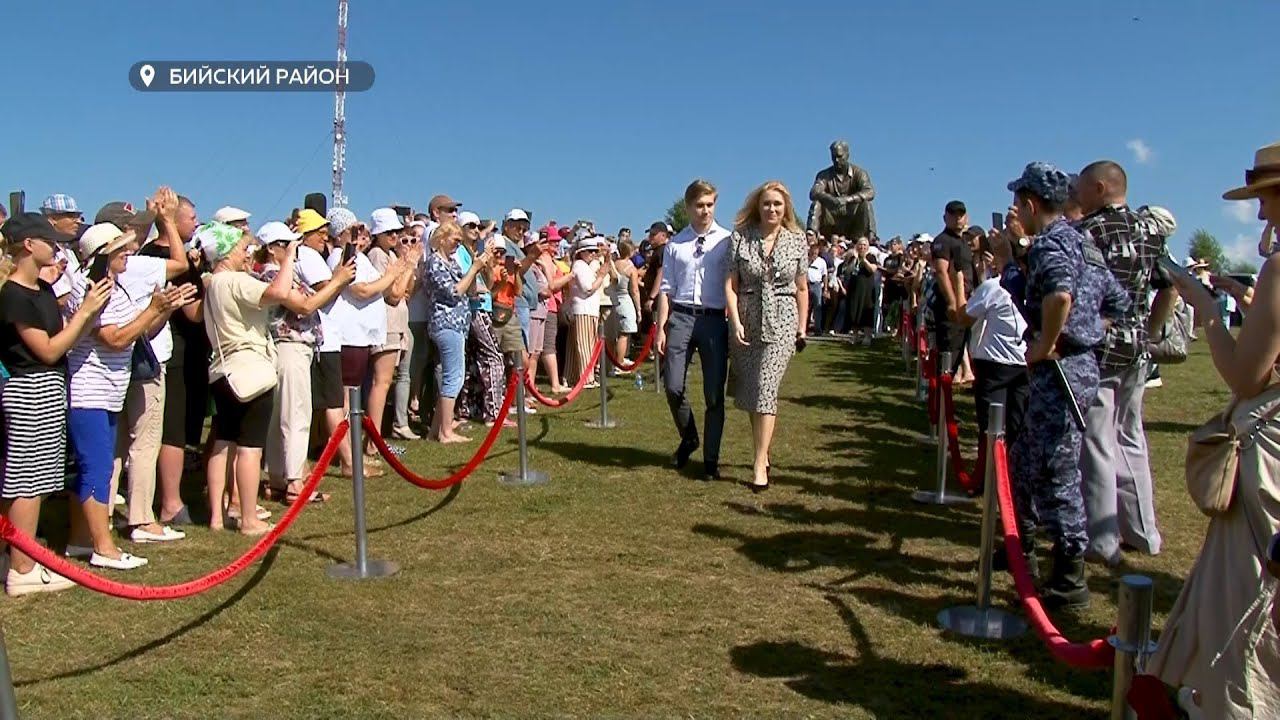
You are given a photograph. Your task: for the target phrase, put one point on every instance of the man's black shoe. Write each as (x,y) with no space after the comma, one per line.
(683,453)
(711,471)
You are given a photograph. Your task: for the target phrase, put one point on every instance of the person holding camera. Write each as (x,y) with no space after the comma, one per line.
(767,296)
(101,364)
(589,275)
(1220,637)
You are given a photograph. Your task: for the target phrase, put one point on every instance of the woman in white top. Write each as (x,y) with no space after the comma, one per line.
(624,290)
(997,343)
(360,313)
(100,366)
(388,234)
(584,306)
(243,360)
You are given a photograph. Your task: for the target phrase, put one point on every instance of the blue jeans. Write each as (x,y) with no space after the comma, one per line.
(92,434)
(453,365)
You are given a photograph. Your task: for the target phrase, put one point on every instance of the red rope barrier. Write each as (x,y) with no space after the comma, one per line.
(97,583)
(970,483)
(371,428)
(532,387)
(640,358)
(1093,654)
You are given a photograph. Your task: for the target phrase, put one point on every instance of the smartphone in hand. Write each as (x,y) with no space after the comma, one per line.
(98,269)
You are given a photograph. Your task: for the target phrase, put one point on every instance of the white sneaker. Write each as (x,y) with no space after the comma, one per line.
(79,552)
(39,579)
(167,534)
(124,562)
(404,433)
(1155,382)
(530,410)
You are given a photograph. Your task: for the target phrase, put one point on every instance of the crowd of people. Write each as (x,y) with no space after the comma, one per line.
(118,338)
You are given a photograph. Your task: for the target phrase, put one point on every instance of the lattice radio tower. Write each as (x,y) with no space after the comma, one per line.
(340,112)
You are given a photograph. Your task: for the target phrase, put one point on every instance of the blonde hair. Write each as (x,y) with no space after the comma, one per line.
(749,215)
(697,189)
(443,231)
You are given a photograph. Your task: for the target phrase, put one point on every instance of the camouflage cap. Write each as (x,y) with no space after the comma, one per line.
(1044,180)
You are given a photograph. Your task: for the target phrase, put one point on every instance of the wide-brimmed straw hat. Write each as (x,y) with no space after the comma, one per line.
(1265,173)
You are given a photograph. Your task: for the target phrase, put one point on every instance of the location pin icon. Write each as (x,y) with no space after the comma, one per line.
(147,73)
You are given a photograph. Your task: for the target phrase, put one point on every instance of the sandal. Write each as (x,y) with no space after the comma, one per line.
(317,497)
(259,532)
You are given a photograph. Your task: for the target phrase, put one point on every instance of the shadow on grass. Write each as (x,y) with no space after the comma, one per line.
(444,502)
(886,687)
(267,561)
(1170,427)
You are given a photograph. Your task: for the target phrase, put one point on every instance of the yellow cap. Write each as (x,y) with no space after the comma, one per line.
(309,220)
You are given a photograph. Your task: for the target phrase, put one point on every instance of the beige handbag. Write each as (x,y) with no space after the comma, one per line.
(248,373)
(1213,452)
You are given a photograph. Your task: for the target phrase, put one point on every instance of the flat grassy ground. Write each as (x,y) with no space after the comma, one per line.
(622,588)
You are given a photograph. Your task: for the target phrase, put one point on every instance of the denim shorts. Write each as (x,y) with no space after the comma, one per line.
(453,365)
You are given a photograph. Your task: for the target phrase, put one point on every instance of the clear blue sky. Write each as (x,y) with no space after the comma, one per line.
(606,110)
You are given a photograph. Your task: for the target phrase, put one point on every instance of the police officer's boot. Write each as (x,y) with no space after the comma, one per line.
(1066,587)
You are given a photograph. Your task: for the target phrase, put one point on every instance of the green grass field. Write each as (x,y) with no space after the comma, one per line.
(621,589)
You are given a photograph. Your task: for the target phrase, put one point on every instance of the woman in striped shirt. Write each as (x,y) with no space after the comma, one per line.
(33,404)
(100,364)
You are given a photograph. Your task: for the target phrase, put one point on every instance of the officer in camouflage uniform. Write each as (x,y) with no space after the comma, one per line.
(1069,291)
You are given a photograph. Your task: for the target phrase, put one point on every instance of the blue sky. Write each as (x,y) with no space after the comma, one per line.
(607,110)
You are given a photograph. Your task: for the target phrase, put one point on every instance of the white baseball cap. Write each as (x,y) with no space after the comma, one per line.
(102,238)
(274,232)
(384,220)
(516,214)
(466,217)
(228,214)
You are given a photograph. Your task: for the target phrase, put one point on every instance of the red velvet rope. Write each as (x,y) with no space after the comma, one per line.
(97,583)
(970,483)
(573,394)
(394,462)
(1093,654)
(640,358)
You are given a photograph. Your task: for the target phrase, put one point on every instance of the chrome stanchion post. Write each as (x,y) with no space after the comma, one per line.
(604,422)
(982,620)
(1132,641)
(524,476)
(8,702)
(363,567)
(940,497)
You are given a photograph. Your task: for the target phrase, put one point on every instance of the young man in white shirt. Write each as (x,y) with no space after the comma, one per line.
(817,273)
(691,316)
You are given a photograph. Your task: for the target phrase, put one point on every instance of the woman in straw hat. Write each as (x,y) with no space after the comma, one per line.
(1219,639)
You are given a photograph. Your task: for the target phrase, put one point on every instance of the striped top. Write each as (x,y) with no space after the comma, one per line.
(100,375)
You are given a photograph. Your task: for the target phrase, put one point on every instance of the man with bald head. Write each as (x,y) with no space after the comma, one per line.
(841,196)
(1116,474)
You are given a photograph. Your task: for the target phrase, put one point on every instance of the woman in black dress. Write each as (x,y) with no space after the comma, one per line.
(33,404)
(859,276)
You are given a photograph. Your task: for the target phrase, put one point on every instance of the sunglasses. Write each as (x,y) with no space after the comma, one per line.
(472,226)
(698,249)
(409,240)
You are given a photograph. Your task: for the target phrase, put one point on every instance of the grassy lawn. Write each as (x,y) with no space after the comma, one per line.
(622,588)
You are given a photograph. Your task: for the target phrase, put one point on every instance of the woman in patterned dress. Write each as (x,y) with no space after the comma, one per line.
(768,293)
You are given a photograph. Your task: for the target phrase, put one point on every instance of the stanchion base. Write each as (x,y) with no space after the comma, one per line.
(601,425)
(991,624)
(932,498)
(531,477)
(372,569)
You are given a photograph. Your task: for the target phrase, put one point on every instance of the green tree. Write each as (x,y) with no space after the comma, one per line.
(677,215)
(1243,267)
(1204,246)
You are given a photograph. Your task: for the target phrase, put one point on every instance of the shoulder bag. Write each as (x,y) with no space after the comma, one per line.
(1213,453)
(1170,347)
(248,373)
